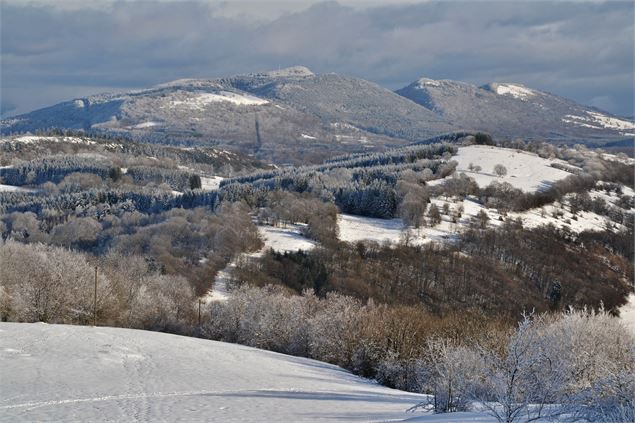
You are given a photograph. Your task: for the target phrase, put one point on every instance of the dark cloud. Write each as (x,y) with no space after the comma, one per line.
(579,50)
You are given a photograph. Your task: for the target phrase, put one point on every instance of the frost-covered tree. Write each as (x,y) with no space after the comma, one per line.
(500,170)
(434,216)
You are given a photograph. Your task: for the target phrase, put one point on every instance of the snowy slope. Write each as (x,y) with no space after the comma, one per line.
(73,373)
(525,171)
(280,239)
(287,238)
(12,188)
(27,139)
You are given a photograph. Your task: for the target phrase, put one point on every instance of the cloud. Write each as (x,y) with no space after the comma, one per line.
(52,53)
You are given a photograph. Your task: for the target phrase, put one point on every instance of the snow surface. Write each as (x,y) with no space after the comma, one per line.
(627,313)
(146,125)
(287,238)
(28,139)
(201,100)
(526,171)
(358,228)
(12,188)
(599,121)
(514,90)
(211,182)
(427,82)
(79,373)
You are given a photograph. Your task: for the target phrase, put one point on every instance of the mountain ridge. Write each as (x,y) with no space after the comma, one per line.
(509,110)
(293,115)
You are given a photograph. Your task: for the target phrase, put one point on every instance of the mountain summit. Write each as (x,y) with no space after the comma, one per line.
(513,110)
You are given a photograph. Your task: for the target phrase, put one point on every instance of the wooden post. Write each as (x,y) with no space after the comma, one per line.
(95,300)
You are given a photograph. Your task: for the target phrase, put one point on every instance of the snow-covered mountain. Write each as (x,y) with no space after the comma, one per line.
(514,110)
(295,116)
(289,115)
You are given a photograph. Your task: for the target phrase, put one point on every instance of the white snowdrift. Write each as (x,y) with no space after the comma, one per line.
(74,373)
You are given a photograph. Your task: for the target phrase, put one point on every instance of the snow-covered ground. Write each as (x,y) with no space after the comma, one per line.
(357,228)
(201,100)
(600,120)
(514,90)
(77,373)
(12,188)
(281,239)
(210,182)
(627,313)
(28,139)
(144,125)
(285,238)
(526,171)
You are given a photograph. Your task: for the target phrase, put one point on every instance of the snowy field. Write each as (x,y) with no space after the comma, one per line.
(77,373)
(357,228)
(525,171)
(210,182)
(285,238)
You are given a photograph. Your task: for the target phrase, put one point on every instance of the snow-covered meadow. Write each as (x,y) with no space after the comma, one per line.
(525,171)
(78,373)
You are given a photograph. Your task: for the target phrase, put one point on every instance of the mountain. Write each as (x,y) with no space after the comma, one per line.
(512,110)
(289,115)
(293,116)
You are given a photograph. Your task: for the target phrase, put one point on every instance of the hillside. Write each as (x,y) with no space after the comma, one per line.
(72,373)
(512,110)
(363,261)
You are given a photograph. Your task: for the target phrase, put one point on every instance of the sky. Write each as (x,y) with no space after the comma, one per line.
(53,51)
